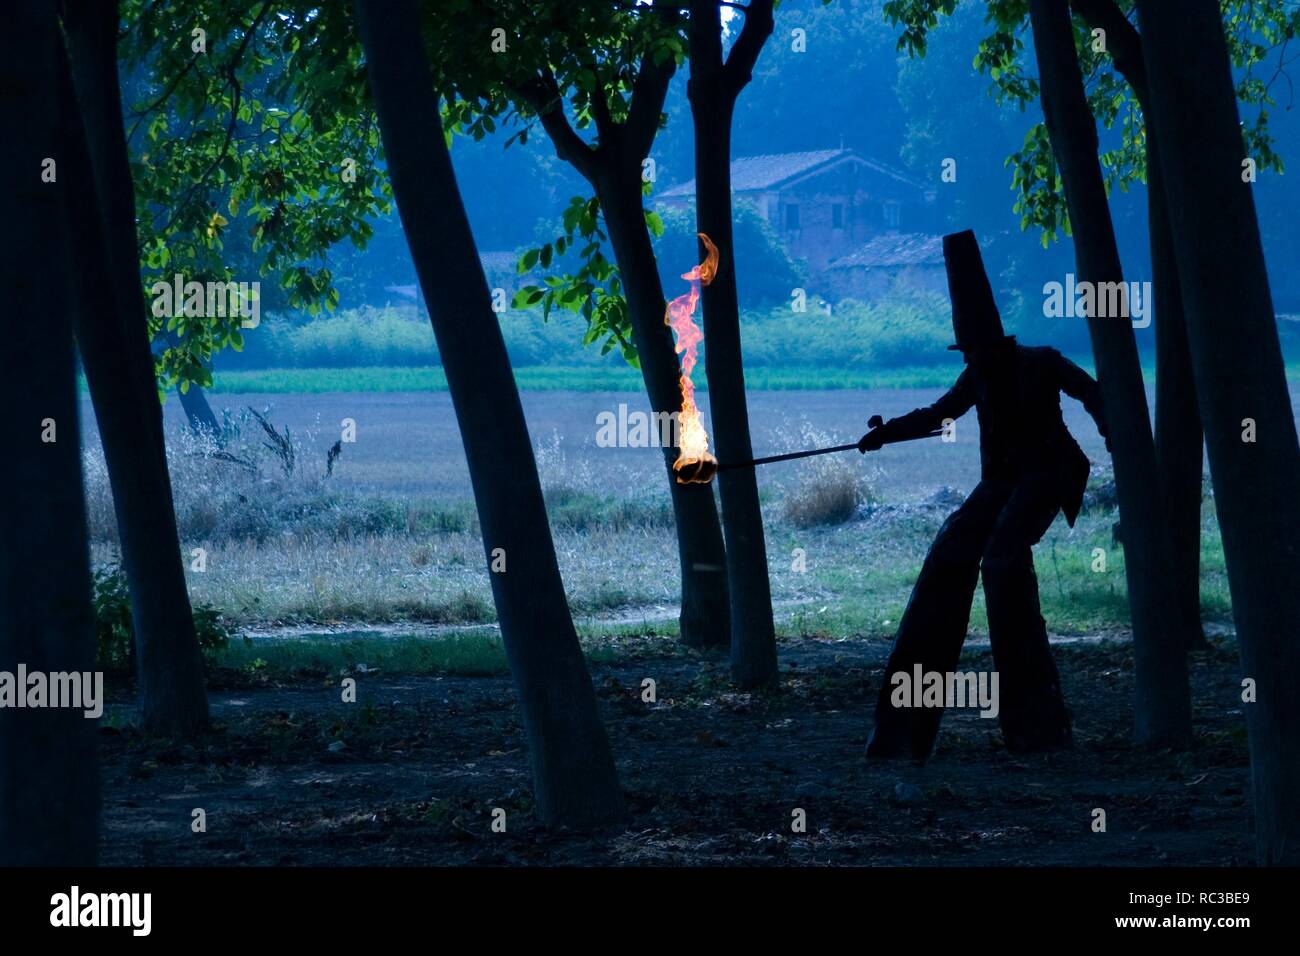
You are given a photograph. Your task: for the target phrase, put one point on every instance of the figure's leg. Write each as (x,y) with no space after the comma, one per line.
(1031,708)
(933,627)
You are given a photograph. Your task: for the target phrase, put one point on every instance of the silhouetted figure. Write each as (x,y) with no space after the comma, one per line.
(1031,469)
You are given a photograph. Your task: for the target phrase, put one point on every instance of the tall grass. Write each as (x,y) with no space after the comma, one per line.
(828,489)
(285,544)
(248,488)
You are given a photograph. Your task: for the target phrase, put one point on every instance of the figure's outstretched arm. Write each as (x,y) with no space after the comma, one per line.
(953,404)
(1082,387)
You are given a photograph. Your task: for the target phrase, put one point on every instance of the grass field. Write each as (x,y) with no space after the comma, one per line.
(309,381)
(434,595)
(383,564)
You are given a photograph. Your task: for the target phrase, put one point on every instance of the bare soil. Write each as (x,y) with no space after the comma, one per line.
(410,773)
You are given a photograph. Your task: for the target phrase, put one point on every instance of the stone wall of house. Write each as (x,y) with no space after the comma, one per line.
(805,214)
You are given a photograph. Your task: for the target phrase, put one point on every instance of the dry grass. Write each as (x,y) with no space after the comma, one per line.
(828,489)
(289,545)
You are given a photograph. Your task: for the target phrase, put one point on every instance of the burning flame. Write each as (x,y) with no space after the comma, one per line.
(694,463)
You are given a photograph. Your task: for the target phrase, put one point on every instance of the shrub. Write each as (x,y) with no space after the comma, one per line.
(114,643)
(910,328)
(114,628)
(400,336)
(830,500)
(212,632)
(828,489)
(363,337)
(429,519)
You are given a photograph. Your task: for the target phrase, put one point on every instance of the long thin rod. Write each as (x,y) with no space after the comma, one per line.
(790,456)
(786,457)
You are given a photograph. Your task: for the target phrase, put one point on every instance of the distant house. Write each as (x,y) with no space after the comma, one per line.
(826,204)
(910,258)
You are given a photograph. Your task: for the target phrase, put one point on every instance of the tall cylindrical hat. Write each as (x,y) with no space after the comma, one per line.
(975,318)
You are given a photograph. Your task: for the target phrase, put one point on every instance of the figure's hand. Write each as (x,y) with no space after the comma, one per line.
(873,440)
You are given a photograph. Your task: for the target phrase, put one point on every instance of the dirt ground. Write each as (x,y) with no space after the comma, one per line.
(410,773)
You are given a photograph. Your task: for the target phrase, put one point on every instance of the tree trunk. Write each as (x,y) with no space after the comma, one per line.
(705,617)
(1163,700)
(112,330)
(49,778)
(198,413)
(1179,439)
(753,636)
(1240,385)
(574,780)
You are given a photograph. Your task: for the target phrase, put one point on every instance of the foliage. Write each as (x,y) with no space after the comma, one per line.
(114,640)
(252,154)
(348,337)
(395,337)
(585,56)
(257,127)
(593,290)
(911,330)
(1255,32)
(114,635)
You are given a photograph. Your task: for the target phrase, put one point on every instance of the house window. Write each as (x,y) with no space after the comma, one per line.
(891,215)
(837,216)
(792,216)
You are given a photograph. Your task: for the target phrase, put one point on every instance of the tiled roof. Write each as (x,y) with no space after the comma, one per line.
(894,249)
(764,172)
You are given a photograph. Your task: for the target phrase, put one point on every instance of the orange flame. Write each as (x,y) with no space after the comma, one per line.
(694,463)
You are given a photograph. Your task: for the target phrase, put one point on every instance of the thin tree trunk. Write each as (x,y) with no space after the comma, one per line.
(705,616)
(1240,385)
(613,167)
(49,778)
(712,91)
(1163,699)
(574,780)
(112,330)
(194,402)
(198,413)
(1179,438)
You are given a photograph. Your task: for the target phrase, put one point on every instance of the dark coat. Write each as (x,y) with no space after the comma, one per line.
(1017,399)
